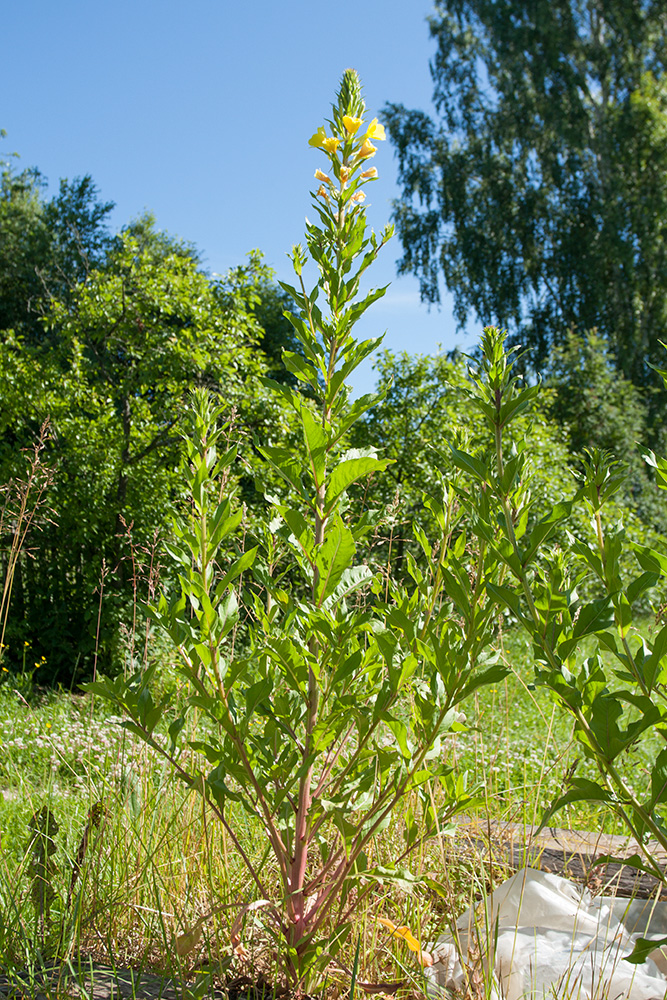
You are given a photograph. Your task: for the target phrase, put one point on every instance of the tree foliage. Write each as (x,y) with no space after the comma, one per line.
(47,246)
(120,352)
(539,193)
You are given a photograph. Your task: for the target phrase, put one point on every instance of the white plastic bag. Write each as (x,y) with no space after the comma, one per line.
(538,935)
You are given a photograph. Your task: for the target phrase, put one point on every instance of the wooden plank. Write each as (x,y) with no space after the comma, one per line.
(570,853)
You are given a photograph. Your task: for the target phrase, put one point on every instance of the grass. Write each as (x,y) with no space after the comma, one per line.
(156,863)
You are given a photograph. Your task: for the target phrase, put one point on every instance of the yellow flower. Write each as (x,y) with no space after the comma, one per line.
(351,124)
(317,140)
(367,150)
(345,174)
(322,192)
(26,643)
(5,670)
(321,176)
(370,174)
(359,196)
(375,130)
(322,141)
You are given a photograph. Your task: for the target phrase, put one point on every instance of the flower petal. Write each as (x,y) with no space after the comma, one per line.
(351,124)
(375,130)
(317,140)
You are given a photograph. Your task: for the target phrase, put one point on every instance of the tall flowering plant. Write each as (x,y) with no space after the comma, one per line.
(336,717)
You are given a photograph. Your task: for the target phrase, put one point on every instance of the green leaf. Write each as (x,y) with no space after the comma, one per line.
(285,462)
(594,617)
(315,439)
(580,790)
(651,560)
(640,585)
(299,366)
(332,558)
(658,652)
(643,948)
(659,780)
(492,675)
(351,579)
(400,877)
(503,595)
(239,566)
(471,464)
(400,732)
(349,471)
(544,528)
(604,714)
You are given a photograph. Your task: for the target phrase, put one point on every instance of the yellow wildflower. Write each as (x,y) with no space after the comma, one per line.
(351,124)
(375,130)
(317,140)
(322,192)
(370,174)
(322,141)
(330,145)
(367,150)
(345,174)
(359,196)
(321,176)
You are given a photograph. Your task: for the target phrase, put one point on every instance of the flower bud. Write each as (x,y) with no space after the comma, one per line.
(322,192)
(370,174)
(345,174)
(367,150)
(321,176)
(358,196)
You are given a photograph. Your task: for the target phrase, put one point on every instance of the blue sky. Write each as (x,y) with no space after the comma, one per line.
(200,112)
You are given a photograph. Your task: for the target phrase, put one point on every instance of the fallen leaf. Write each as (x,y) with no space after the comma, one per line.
(404,932)
(186,942)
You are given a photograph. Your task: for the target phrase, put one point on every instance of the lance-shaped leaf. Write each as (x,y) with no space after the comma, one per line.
(469,463)
(238,566)
(304,370)
(315,439)
(355,465)
(286,463)
(659,780)
(653,661)
(332,558)
(544,528)
(580,790)
(594,617)
(352,579)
